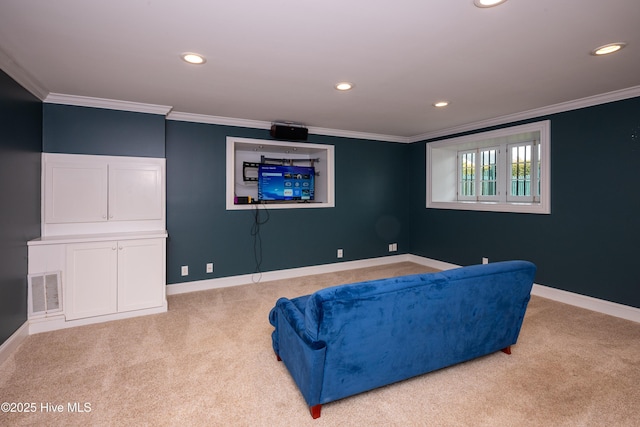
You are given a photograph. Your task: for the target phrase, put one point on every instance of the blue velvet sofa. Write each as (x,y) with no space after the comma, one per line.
(348,339)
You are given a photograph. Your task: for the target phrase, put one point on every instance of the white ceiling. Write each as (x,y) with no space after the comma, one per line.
(279,60)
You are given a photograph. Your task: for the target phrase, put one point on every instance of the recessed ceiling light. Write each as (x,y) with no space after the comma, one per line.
(488,3)
(441,104)
(608,48)
(344,86)
(193,58)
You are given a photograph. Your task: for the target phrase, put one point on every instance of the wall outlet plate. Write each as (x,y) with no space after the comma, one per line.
(340,253)
(210,267)
(184,270)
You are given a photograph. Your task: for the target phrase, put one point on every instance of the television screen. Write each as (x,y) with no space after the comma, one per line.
(284,183)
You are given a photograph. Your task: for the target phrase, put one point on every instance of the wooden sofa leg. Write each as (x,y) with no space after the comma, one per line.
(506,350)
(278,357)
(315,411)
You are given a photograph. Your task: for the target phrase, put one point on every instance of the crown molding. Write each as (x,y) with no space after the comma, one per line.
(22,76)
(259,124)
(590,101)
(109,104)
(217,120)
(56,98)
(358,135)
(562,107)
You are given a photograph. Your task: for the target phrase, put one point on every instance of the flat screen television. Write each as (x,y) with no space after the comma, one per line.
(277,183)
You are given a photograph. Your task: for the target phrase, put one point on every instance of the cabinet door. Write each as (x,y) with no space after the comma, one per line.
(90,280)
(75,192)
(135,192)
(141,274)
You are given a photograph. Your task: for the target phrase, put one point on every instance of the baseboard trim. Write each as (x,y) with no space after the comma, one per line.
(594,304)
(267,276)
(433,263)
(35,326)
(565,297)
(13,342)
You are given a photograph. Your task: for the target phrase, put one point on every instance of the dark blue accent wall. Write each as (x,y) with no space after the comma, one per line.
(587,245)
(85,130)
(20,160)
(589,242)
(371,188)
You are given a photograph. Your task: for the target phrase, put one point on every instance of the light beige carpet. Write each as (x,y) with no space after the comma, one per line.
(208,361)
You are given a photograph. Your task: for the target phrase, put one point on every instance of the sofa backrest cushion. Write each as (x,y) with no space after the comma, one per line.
(390,329)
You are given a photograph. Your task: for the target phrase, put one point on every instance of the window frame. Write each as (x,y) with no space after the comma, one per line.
(443,169)
(535,160)
(461,182)
(478,176)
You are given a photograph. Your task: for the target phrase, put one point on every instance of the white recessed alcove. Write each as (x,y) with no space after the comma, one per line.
(443,166)
(244,153)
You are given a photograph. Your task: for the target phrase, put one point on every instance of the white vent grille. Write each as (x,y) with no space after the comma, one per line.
(44,294)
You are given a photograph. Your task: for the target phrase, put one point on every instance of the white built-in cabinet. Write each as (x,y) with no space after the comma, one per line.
(113,277)
(97,192)
(104,230)
(84,193)
(75,192)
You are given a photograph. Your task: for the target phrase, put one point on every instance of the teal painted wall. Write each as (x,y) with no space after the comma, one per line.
(84,130)
(20,160)
(371,188)
(589,242)
(583,246)
(370,192)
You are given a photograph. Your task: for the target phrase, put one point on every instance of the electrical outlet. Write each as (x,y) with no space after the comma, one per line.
(485,260)
(184,270)
(393,247)
(210,267)
(340,253)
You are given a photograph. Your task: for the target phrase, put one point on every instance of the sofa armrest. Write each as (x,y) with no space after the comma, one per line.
(296,320)
(292,314)
(303,357)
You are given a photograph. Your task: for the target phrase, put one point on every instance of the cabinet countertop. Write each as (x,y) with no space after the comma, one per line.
(80,238)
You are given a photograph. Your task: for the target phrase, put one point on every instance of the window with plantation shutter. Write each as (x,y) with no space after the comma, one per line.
(507,170)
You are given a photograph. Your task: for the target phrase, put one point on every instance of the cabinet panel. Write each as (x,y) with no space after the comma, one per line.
(75,192)
(141,274)
(91,280)
(113,277)
(135,192)
(84,194)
